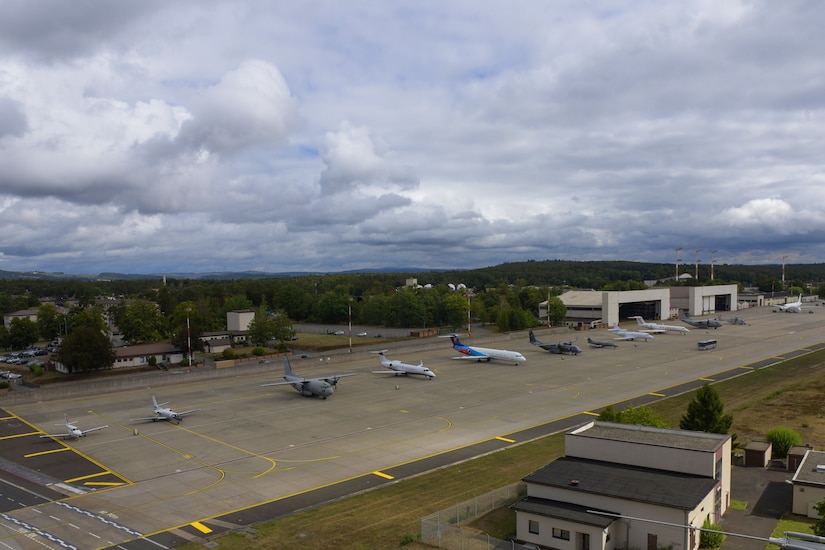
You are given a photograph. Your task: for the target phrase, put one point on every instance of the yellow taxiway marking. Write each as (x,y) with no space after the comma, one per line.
(591,413)
(707,379)
(744,367)
(19,435)
(382,474)
(656,394)
(41,453)
(200,527)
(98,474)
(505,439)
(104,483)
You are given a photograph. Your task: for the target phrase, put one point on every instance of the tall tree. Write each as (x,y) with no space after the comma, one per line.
(86,348)
(141,322)
(49,321)
(705,413)
(23,332)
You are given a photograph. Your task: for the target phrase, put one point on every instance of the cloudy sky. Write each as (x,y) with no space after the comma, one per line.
(192,136)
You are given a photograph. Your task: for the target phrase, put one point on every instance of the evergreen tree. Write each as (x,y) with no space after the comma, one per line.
(705,413)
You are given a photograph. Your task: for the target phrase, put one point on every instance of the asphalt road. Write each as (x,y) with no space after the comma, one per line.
(252,453)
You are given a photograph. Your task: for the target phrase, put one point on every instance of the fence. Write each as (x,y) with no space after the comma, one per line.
(443,529)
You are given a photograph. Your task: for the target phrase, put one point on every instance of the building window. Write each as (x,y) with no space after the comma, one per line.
(561,534)
(533,527)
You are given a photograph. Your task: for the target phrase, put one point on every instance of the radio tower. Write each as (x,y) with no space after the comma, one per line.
(712,252)
(698,250)
(677,263)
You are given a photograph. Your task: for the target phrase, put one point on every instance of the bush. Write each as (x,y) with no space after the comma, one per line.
(709,539)
(228,353)
(258,351)
(4,385)
(36,370)
(782,440)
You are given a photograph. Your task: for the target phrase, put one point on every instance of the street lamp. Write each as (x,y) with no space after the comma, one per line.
(188,337)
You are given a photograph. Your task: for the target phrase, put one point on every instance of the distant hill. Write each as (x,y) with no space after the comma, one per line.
(215,275)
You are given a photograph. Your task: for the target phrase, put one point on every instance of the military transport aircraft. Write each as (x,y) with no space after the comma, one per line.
(164,413)
(398,367)
(322,387)
(72,431)
(485,354)
(624,334)
(698,323)
(561,347)
(598,344)
(658,328)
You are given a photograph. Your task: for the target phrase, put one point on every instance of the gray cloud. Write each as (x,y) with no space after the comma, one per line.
(275,137)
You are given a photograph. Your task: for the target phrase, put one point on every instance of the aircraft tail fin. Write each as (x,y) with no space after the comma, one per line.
(454,339)
(639,320)
(287,367)
(155,401)
(532,337)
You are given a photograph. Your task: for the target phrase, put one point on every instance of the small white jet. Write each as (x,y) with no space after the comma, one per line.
(398,367)
(792,307)
(72,431)
(164,413)
(658,328)
(485,354)
(623,334)
(309,387)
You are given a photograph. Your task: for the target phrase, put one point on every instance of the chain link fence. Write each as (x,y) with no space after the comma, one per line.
(444,529)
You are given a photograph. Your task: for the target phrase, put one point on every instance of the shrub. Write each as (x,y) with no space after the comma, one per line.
(228,353)
(782,440)
(258,351)
(36,370)
(709,539)
(4,385)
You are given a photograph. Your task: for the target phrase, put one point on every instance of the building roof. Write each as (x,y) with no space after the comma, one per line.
(564,511)
(648,435)
(647,485)
(591,298)
(811,470)
(140,350)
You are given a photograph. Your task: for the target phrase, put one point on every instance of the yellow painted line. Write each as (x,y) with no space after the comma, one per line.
(41,453)
(382,474)
(653,393)
(104,483)
(745,367)
(19,435)
(505,439)
(707,379)
(200,527)
(81,478)
(591,413)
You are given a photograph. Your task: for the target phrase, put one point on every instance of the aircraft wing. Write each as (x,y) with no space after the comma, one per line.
(184,413)
(333,379)
(144,418)
(57,435)
(387,371)
(301,381)
(94,429)
(475,357)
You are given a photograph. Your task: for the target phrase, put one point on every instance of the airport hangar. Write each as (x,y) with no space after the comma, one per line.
(593,308)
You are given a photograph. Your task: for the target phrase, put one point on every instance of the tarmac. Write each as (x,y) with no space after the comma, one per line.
(253,453)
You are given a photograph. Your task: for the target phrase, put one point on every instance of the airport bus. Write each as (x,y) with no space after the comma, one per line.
(707,344)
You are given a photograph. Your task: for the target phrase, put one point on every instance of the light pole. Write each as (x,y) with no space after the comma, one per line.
(783,271)
(696,275)
(677,263)
(188,337)
(712,252)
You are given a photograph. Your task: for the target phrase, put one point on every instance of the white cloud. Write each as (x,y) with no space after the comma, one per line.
(135,139)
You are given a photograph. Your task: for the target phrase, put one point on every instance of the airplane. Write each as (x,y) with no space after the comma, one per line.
(792,307)
(309,387)
(480,354)
(164,413)
(597,344)
(658,328)
(561,347)
(397,367)
(624,334)
(72,431)
(699,323)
